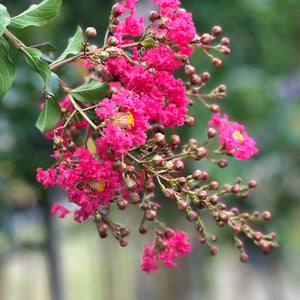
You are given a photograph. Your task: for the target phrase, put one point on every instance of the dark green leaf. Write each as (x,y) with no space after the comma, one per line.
(53,85)
(74,44)
(7,69)
(93,91)
(49,116)
(4,18)
(36,14)
(78,118)
(33,58)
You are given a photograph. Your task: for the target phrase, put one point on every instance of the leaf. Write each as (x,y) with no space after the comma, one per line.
(49,116)
(46,47)
(91,91)
(52,87)
(7,69)
(4,18)
(36,14)
(33,58)
(91,146)
(74,44)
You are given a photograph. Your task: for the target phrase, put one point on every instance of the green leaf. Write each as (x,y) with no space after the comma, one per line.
(74,44)
(36,14)
(91,91)
(53,85)
(4,18)
(33,58)
(49,116)
(7,69)
(46,47)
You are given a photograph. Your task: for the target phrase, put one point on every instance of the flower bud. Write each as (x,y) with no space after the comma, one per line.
(153,15)
(252,184)
(159,139)
(213,250)
(222,163)
(134,198)
(197,175)
(142,229)
(189,121)
(225,41)
(113,41)
(217,30)
(195,79)
(205,76)
(235,188)
(214,199)
(211,132)
(104,56)
(217,63)
(123,243)
(214,108)
(169,193)
(213,185)
(149,187)
(204,176)
(90,33)
(266,215)
(244,257)
(130,184)
(174,140)
(182,205)
(169,233)
(157,160)
(192,215)
(178,165)
(189,70)
(124,231)
(102,228)
(150,215)
(205,38)
(200,153)
(122,204)
(202,195)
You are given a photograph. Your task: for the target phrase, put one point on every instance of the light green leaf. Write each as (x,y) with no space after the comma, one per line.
(49,116)
(36,14)
(53,85)
(74,44)
(7,69)
(93,91)
(4,18)
(33,58)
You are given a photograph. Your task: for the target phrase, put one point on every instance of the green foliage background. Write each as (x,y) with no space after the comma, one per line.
(262,75)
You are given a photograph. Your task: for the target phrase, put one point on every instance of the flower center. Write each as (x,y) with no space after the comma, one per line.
(123,120)
(237,136)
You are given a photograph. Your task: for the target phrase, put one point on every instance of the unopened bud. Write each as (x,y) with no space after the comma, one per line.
(90,33)
(130,184)
(266,215)
(202,195)
(157,160)
(134,198)
(213,185)
(169,193)
(192,215)
(214,108)
(244,257)
(222,163)
(205,76)
(182,205)
(205,38)
(213,250)
(211,132)
(123,243)
(124,231)
(225,41)
(217,63)
(174,140)
(189,70)
(153,15)
(178,165)
(235,188)
(149,187)
(214,199)
(195,79)
(169,233)
(150,215)
(217,30)
(122,204)
(113,41)
(252,184)
(189,121)
(159,139)
(197,175)
(200,153)
(142,229)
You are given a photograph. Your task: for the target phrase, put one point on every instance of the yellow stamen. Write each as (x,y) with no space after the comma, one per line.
(238,136)
(101,185)
(130,119)
(123,120)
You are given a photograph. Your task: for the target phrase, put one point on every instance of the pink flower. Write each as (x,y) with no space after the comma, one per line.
(59,210)
(47,178)
(174,246)
(233,136)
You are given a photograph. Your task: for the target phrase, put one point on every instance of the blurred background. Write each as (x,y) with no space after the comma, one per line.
(43,257)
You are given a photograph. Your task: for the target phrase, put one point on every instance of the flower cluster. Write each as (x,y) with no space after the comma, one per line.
(110,146)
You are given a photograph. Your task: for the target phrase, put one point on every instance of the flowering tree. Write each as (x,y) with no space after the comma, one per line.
(108,133)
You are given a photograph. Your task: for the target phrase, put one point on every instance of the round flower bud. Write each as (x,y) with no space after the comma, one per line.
(235,189)
(149,187)
(143,229)
(222,88)
(197,175)
(182,205)
(252,184)
(113,41)
(214,108)
(200,153)
(159,139)
(157,160)
(225,41)
(178,165)
(169,233)
(189,121)
(195,79)
(130,184)
(205,38)
(222,163)
(211,132)
(205,76)
(257,235)
(90,33)
(244,257)
(189,70)
(217,63)
(153,15)
(134,198)
(213,250)
(202,195)
(192,215)
(169,193)
(204,176)
(150,215)
(124,231)
(122,204)
(174,140)
(214,199)
(217,30)
(213,185)
(226,50)
(123,243)
(266,215)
